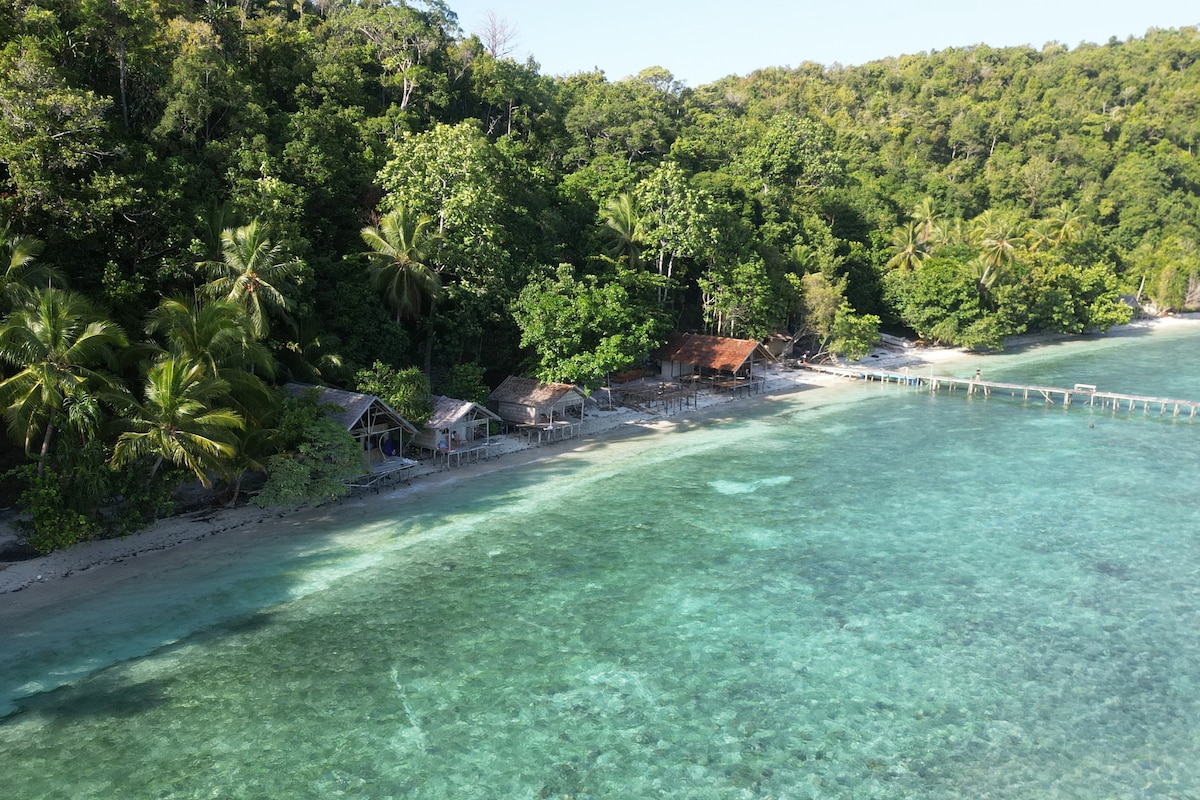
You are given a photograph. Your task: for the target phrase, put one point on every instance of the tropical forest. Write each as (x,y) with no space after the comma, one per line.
(204,200)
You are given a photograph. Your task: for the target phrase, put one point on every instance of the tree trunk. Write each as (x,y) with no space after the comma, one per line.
(41,468)
(124,75)
(429,337)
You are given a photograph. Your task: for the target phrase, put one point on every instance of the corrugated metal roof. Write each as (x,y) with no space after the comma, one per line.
(447,411)
(528,392)
(712,352)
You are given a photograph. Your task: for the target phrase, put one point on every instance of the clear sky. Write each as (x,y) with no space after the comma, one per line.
(703,40)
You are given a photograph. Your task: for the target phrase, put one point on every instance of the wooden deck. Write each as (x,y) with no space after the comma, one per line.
(385,473)
(1079,394)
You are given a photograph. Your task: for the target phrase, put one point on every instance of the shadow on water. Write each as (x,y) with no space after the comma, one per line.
(230,595)
(109,691)
(104,696)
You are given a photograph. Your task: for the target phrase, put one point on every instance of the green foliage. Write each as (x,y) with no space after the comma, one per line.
(968,194)
(316,470)
(400,258)
(941,302)
(59,345)
(177,422)
(52,522)
(406,390)
(741,302)
(581,329)
(853,334)
(465,382)
(253,272)
(83,500)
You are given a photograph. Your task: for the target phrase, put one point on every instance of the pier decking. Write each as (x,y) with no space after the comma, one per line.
(1079,394)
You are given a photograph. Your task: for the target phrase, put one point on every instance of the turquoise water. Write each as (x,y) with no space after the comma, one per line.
(891,596)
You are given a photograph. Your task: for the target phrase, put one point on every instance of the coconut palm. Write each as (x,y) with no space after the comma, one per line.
(1067,222)
(623,224)
(253,272)
(402,249)
(928,222)
(309,356)
(176,422)
(1040,235)
(59,344)
(219,335)
(985,273)
(908,252)
(998,238)
(22,269)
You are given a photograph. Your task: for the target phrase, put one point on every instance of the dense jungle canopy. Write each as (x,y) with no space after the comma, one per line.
(202,199)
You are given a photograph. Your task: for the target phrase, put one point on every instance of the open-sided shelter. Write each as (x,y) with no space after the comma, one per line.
(688,354)
(375,424)
(552,410)
(455,423)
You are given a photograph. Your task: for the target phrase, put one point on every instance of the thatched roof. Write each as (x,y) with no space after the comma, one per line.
(529,392)
(447,412)
(353,404)
(711,352)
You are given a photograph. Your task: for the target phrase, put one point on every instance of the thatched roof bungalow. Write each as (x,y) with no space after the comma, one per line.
(375,424)
(525,401)
(455,423)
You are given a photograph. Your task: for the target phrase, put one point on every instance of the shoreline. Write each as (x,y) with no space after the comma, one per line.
(215,533)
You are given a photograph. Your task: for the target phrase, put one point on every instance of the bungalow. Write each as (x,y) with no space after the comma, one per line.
(691,356)
(552,411)
(454,424)
(375,424)
(780,344)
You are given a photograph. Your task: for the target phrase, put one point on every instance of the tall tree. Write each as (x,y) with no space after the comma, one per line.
(401,262)
(908,248)
(581,329)
(60,346)
(623,224)
(51,133)
(677,222)
(176,422)
(253,272)
(22,269)
(218,335)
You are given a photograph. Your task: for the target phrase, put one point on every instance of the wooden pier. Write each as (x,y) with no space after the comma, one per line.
(1079,394)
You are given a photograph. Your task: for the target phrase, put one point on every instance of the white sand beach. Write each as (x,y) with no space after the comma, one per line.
(74,574)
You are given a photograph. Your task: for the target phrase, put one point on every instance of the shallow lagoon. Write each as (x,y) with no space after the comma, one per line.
(892,595)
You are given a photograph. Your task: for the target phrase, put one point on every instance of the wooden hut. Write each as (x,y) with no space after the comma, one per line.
(455,424)
(550,410)
(693,355)
(688,354)
(779,344)
(375,424)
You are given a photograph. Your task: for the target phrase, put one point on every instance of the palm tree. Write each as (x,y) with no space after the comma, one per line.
(928,227)
(58,342)
(1067,222)
(219,335)
(309,356)
(998,238)
(985,273)
(623,223)
(1041,234)
(401,262)
(22,270)
(908,252)
(253,272)
(176,422)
